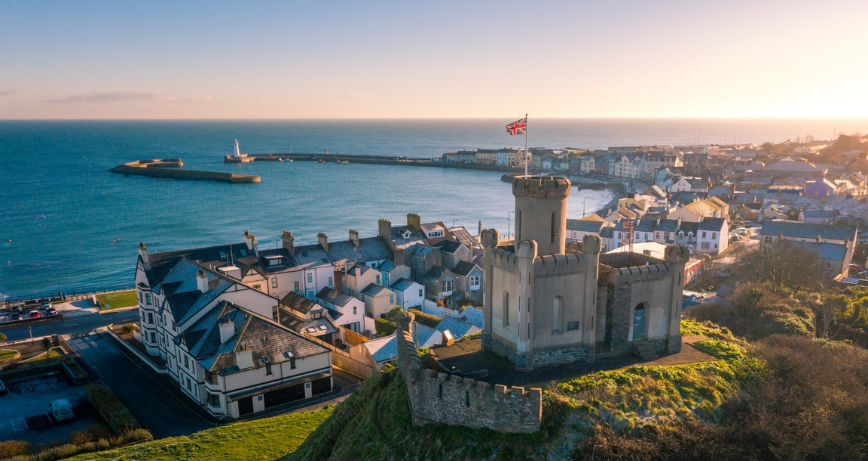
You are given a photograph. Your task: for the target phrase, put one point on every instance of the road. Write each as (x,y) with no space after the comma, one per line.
(72,323)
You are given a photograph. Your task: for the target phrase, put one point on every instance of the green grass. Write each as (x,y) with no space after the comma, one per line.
(262,439)
(6,353)
(117,300)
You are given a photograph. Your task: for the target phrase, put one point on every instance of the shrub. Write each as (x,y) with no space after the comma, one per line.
(107,404)
(426,319)
(12,448)
(46,343)
(129,328)
(2,338)
(385,327)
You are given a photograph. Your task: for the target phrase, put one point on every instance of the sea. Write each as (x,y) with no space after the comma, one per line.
(67,224)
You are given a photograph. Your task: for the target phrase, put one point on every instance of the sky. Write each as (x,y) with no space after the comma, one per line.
(408,59)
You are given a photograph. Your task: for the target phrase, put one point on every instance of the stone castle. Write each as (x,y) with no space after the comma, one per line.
(545,305)
(448,399)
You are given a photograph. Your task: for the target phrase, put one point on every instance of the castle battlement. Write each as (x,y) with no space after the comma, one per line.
(541,187)
(441,398)
(504,259)
(560,264)
(637,273)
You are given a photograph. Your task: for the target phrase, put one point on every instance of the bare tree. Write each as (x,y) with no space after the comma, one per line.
(787,264)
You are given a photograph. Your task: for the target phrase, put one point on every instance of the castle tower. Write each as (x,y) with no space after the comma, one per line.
(541,212)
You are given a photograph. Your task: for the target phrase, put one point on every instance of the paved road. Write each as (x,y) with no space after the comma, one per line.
(71,324)
(161,411)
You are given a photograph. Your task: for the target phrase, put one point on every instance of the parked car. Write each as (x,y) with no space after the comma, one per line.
(50,311)
(45,305)
(855,268)
(2,387)
(61,410)
(34,314)
(15,316)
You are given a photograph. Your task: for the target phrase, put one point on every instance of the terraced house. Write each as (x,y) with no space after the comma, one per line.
(217,336)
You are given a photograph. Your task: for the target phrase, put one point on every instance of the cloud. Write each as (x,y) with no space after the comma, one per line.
(111,97)
(357,95)
(7,92)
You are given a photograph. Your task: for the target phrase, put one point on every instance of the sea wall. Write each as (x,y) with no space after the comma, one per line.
(150,170)
(441,398)
(379,160)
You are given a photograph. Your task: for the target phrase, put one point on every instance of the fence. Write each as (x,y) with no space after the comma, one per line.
(343,360)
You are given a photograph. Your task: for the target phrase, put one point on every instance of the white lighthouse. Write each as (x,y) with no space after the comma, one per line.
(237,153)
(236,156)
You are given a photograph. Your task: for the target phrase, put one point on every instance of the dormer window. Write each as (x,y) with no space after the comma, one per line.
(406,234)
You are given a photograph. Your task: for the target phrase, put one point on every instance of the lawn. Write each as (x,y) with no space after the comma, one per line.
(262,439)
(117,300)
(6,353)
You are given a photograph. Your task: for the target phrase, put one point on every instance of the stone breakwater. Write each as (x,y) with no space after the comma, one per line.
(166,169)
(441,398)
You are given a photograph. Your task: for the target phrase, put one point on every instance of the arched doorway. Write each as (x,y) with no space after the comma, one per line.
(639,322)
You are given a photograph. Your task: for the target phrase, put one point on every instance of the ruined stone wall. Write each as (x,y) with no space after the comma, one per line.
(445,399)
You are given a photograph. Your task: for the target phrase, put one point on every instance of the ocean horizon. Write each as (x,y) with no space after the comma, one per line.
(68,224)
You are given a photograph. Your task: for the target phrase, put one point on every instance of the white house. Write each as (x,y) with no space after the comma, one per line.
(347,311)
(712,236)
(409,294)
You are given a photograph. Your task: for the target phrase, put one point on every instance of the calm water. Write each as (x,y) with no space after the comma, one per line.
(93,219)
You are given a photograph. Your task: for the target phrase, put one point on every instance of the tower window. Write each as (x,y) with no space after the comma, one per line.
(557,305)
(554,226)
(506,308)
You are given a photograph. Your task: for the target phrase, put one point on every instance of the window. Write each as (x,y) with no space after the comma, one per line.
(296,287)
(174,327)
(151,317)
(447,286)
(506,308)
(474,281)
(267,368)
(186,362)
(421,292)
(391,299)
(148,299)
(257,286)
(292,363)
(331,282)
(189,387)
(214,376)
(355,310)
(213,400)
(572,326)
(714,235)
(153,337)
(274,282)
(556,313)
(309,278)
(378,280)
(554,228)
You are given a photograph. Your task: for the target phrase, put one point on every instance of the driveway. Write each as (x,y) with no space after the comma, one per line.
(160,410)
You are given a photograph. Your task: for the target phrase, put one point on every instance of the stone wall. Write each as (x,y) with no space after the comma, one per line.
(446,399)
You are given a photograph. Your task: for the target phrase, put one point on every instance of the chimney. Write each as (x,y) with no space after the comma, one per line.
(244,358)
(339,281)
(227,329)
(202,281)
(354,237)
(288,242)
(414,221)
(250,240)
(384,227)
(323,241)
(143,253)
(479,232)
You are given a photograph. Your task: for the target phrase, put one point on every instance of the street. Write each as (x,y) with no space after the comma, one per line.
(72,323)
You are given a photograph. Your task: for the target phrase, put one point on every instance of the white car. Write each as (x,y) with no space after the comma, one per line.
(741,231)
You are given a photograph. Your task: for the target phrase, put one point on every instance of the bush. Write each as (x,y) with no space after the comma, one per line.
(385,327)
(107,404)
(426,319)
(129,328)
(2,338)
(12,448)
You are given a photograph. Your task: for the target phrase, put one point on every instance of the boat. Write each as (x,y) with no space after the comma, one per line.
(321,161)
(345,162)
(237,157)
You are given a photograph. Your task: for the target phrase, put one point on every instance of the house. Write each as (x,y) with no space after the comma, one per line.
(391,272)
(712,236)
(347,311)
(214,331)
(465,156)
(694,212)
(453,252)
(577,229)
(439,283)
(378,300)
(821,188)
(309,317)
(409,294)
(818,216)
(378,352)
(834,243)
(359,277)
(468,279)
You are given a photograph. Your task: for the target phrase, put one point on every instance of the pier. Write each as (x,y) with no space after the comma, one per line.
(377,160)
(167,169)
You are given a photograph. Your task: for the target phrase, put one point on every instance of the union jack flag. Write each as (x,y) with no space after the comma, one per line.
(517,127)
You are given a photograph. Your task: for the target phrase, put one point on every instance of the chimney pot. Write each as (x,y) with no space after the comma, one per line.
(202,281)
(227,330)
(323,240)
(288,242)
(354,237)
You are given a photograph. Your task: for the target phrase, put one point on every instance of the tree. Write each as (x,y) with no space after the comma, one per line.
(2,338)
(46,343)
(786,264)
(828,310)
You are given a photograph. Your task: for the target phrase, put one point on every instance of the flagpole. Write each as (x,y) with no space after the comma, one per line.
(525,146)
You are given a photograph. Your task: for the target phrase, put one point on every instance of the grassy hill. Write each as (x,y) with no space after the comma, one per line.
(263,439)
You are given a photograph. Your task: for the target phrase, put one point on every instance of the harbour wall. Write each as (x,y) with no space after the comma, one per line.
(379,160)
(154,169)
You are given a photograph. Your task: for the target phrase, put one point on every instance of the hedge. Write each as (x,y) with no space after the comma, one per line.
(385,327)
(426,319)
(111,409)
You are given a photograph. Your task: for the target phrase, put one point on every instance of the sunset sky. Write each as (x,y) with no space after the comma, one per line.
(110,59)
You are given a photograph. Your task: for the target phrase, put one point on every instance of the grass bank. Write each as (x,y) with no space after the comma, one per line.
(109,301)
(263,439)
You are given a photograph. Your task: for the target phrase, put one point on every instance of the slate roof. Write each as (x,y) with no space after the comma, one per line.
(298,302)
(310,256)
(581,225)
(369,249)
(667,225)
(832,251)
(808,230)
(436,272)
(358,269)
(820,214)
(397,236)
(464,268)
(262,336)
(402,285)
(374,290)
(383,349)
(159,264)
(711,224)
(457,327)
(420,250)
(462,235)
(334,297)
(448,246)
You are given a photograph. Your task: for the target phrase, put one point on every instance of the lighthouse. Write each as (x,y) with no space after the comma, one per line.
(236,156)
(237,153)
